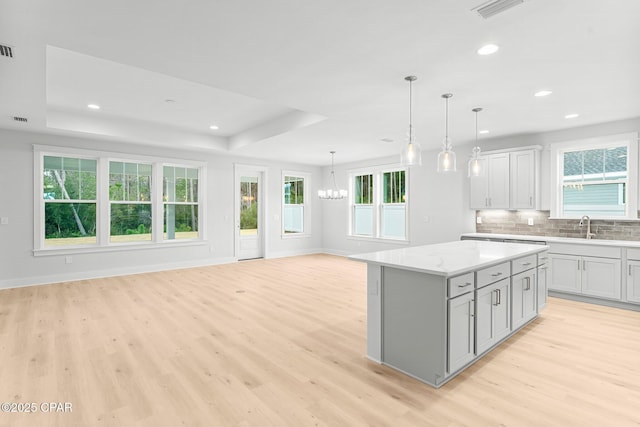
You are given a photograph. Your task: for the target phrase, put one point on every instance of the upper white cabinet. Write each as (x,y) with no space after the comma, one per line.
(491,189)
(509,181)
(523,178)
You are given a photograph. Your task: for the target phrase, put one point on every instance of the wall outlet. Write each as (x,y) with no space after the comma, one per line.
(478,220)
(68,259)
(530,221)
(4,220)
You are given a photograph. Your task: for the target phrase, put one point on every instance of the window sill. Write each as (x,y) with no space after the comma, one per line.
(378,240)
(295,236)
(115,248)
(611,218)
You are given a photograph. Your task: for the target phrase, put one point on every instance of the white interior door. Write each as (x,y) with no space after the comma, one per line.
(249,213)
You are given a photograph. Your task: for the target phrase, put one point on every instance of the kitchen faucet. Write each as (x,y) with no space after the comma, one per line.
(589,233)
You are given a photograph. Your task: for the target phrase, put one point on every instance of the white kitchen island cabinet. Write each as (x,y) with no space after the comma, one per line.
(434,310)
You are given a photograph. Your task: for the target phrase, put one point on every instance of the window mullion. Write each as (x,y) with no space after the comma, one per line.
(157,205)
(103,209)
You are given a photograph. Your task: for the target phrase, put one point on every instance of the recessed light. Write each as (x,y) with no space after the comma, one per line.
(93,106)
(214,127)
(542,93)
(571,116)
(483,131)
(488,49)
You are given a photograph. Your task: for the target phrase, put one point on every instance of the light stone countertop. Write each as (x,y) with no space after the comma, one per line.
(451,258)
(552,239)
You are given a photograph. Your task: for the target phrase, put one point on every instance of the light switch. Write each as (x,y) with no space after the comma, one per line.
(4,220)
(478,220)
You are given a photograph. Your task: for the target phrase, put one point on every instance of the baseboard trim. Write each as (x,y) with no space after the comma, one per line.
(97,274)
(593,300)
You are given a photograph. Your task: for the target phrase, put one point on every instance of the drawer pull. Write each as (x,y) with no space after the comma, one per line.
(465,285)
(499,273)
(524,264)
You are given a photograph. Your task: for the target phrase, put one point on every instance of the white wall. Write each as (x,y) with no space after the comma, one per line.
(547,138)
(438,207)
(19,267)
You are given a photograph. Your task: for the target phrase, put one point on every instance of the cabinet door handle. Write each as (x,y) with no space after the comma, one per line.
(629,270)
(495,292)
(578,264)
(584,265)
(528,283)
(471,308)
(465,285)
(497,274)
(530,200)
(489,201)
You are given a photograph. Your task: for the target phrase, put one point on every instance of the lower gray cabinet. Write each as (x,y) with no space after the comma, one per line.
(523,298)
(461,335)
(493,314)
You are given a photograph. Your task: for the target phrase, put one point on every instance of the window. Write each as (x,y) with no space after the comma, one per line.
(130,202)
(92,200)
(69,196)
(180,197)
(596,178)
(378,204)
(362,211)
(295,210)
(393,218)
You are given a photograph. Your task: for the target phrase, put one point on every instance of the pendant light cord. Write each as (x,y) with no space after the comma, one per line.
(446,119)
(410,111)
(476,128)
(333,175)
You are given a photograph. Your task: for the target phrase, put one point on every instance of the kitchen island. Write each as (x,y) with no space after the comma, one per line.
(434,310)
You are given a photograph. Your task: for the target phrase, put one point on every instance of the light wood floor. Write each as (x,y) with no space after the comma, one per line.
(282,343)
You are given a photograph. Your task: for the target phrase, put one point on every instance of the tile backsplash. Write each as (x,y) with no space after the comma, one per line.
(516,222)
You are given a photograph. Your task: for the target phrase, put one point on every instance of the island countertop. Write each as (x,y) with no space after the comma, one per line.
(451,258)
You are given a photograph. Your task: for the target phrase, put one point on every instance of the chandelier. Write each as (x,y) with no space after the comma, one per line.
(332,193)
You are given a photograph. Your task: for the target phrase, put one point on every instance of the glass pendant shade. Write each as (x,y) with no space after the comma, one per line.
(412,153)
(333,193)
(446,158)
(476,164)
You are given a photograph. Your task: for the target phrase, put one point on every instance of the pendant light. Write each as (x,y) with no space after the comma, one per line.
(411,154)
(332,193)
(446,158)
(476,168)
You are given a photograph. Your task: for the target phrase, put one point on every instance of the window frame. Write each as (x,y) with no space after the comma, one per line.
(630,140)
(378,202)
(306,206)
(103,202)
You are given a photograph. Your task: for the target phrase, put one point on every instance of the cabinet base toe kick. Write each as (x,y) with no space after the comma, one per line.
(595,300)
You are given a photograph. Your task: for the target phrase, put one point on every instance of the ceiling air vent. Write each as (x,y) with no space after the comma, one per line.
(494,7)
(20,119)
(6,50)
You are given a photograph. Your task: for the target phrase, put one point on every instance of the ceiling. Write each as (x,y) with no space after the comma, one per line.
(292,79)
